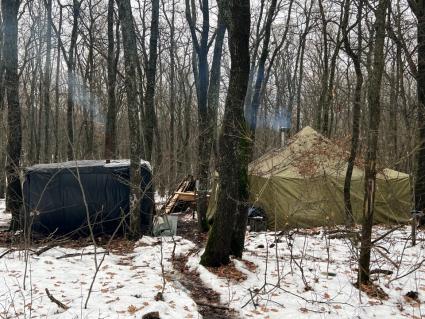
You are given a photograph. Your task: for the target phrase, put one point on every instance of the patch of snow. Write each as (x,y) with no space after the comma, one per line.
(160,200)
(125,287)
(126,162)
(4,218)
(86,163)
(277,285)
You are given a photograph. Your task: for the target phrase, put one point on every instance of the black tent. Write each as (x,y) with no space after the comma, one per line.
(59,196)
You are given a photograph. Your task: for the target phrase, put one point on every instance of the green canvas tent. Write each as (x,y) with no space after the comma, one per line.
(302,184)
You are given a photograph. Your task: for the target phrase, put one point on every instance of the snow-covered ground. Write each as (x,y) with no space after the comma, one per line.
(4,218)
(125,287)
(277,286)
(129,280)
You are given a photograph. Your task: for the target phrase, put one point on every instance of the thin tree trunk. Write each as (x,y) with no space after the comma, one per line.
(46,99)
(255,103)
(71,79)
(301,74)
(325,72)
(327,110)
(215,76)
(205,129)
(111,126)
(150,114)
(57,116)
(356,106)
(32,111)
(372,141)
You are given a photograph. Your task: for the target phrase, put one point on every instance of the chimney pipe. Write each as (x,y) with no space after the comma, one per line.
(284,131)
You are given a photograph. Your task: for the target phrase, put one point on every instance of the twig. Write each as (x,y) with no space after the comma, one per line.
(53,299)
(387,258)
(386,234)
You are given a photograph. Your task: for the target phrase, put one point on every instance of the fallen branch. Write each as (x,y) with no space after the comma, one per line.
(79,254)
(344,235)
(386,257)
(338,231)
(44,249)
(381,271)
(386,234)
(7,252)
(53,299)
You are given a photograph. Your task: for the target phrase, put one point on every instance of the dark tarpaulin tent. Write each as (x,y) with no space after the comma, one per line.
(53,196)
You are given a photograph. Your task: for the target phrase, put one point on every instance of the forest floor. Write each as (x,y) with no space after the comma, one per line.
(299,274)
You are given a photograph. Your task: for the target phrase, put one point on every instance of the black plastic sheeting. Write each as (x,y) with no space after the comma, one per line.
(53,197)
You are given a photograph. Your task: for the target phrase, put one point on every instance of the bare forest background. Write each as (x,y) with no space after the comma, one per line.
(300,66)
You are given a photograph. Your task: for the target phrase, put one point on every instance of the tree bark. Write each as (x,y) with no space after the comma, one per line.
(71,79)
(130,61)
(46,99)
(301,73)
(205,125)
(57,116)
(232,164)
(150,114)
(372,140)
(255,103)
(111,125)
(215,77)
(325,72)
(14,134)
(418,8)
(355,57)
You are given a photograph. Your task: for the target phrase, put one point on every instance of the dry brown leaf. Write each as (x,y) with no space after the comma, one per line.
(132,309)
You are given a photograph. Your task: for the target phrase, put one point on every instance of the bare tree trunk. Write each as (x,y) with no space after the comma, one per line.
(204,122)
(150,114)
(325,71)
(57,117)
(418,8)
(171,24)
(46,99)
(2,131)
(394,92)
(372,141)
(111,117)
(255,103)
(355,56)
(14,134)
(91,100)
(71,79)
(32,113)
(327,108)
(215,76)
(301,73)
(232,164)
(130,60)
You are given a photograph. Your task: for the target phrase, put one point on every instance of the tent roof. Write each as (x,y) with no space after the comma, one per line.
(310,154)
